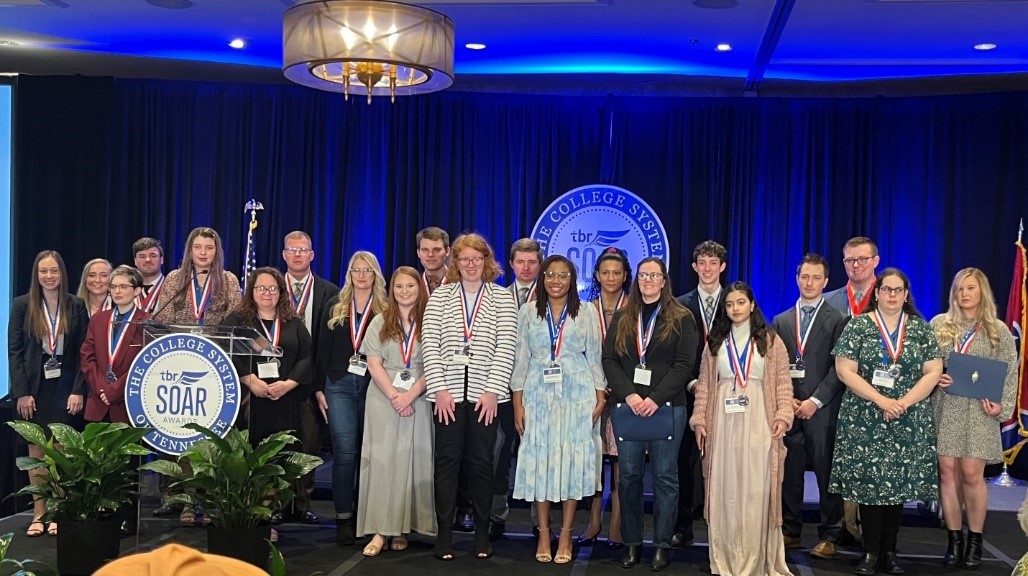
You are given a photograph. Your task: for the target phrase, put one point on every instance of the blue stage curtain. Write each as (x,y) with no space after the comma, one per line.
(939,182)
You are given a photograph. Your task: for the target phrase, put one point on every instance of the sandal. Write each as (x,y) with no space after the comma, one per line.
(399,543)
(33,532)
(375,547)
(187,516)
(564,555)
(274,536)
(544,538)
(52,529)
(444,555)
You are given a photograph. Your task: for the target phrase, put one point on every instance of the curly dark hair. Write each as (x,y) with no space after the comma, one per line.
(542,299)
(247,307)
(610,253)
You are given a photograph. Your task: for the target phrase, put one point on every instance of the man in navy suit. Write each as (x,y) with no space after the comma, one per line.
(309,296)
(809,330)
(709,260)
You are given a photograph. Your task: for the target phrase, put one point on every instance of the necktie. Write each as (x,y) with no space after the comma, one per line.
(708,307)
(297,288)
(859,296)
(807,311)
(522,295)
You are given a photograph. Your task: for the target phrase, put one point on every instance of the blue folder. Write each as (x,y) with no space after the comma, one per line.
(976,377)
(628,426)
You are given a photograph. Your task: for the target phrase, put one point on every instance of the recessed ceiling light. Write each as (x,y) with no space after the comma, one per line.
(475,46)
(985,46)
(238,43)
(723,47)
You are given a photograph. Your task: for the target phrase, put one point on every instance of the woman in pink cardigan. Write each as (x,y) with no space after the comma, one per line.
(743,409)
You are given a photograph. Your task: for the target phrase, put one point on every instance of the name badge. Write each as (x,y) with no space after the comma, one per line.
(460,357)
(734,406)
(883,379)
(52,371)
(552,375)
(267,370)
(642,376)
(403,380)
(360,367)
(797,371)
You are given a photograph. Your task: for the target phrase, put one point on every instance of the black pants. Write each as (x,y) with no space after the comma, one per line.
(686,461)
(503,451)
(880,526)
(813,444)
(464,445)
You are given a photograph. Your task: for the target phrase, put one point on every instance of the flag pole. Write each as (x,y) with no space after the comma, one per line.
(1005,479)
(250,255)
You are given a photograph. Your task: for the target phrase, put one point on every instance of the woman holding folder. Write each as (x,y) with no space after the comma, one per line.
(648,355)
(968,428)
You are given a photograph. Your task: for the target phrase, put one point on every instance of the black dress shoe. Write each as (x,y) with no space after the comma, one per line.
(309,517)
(128,528)
(681,539)
(614,544)
(496,530)
(661,558)
(631,556)
(278,517)
(465,522)
(867,565)
(889,564)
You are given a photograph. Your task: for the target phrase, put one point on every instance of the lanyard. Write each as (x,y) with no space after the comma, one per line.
(51,323)
(965,343)
(556,332)
(642,340)
(603,319)
(357,328)
(892,343)
(200,298)
(407,346)
(116,335)
(737,361)
(857,307)
(300,300)
(276,331)
(428,287)
(470,315)
(801,339)
(149,302)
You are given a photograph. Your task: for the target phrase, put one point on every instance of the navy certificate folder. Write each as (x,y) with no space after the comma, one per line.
(976,377)
(628,426)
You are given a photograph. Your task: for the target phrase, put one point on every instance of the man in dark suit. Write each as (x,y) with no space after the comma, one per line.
(433,249)
(709,260)
(309,296)
(809,330)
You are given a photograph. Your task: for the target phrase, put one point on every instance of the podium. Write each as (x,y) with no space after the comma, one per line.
(185,374)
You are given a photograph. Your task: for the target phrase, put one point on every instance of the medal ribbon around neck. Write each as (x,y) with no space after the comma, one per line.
(200,307)
(407,345)
(801,339)
(531,292)
(737,361)
(276,330)
(300,300)
(51,327)
(469,319)
(642,339)
(149,302)
(116,336)
(965,343)
(556,332)
(603,320)
(856,308)
(357,330)
(892,344)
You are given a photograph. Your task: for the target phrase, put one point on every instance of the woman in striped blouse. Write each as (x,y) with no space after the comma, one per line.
(468,338)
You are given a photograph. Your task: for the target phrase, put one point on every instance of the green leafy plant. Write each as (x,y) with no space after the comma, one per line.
(23,565)
(90,473)
(236,483)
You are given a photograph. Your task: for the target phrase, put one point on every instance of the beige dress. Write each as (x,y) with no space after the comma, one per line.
(739,478)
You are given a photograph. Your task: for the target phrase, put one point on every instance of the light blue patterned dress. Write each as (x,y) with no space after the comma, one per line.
(558,459)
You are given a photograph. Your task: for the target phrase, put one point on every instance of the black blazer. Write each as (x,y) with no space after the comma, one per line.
(323,292)
(691,300)
(25,351)
(670,361)
(820,381)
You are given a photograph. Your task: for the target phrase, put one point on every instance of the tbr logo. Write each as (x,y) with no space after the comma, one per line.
(583,222)
(178,379)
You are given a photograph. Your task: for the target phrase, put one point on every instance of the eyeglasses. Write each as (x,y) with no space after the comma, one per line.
(298,251)
(466,261)
(119,287)
(267,289)
(360,271)
(650,276)
(554,275)
(892,291)
(863,260)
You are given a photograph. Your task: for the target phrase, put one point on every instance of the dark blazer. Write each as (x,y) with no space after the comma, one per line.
(839,300)
(323,292)
(670,361)
(25,351)
(820,381)
(96,355)
(691,300)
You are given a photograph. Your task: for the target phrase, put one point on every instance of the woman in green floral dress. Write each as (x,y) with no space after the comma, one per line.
(885,445)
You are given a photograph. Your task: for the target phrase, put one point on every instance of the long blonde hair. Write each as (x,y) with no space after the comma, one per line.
(948,330)
(341,310)
(83,292)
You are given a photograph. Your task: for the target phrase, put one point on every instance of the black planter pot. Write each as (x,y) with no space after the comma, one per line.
(83,547)
(247,544)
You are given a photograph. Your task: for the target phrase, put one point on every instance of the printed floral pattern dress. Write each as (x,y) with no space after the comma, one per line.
(878,462)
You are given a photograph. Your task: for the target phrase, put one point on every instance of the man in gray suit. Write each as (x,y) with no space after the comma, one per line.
(809,330)
(860,257)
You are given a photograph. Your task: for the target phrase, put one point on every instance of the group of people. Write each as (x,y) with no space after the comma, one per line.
(430,381)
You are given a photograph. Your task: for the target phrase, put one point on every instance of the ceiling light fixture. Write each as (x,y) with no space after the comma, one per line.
(372,47)
(237,43)
(723,47)
(985,46)
(475,46)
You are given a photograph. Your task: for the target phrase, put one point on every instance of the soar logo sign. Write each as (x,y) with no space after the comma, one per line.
(581,223)
(178,379)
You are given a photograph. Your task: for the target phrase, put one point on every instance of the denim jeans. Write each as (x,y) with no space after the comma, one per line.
(346,398)
(664,467)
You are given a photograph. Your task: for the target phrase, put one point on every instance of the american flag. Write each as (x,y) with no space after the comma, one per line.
(1016,429)
(250,256)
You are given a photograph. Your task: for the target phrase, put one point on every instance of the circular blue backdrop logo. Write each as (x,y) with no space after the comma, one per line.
(581,223)
(178,379)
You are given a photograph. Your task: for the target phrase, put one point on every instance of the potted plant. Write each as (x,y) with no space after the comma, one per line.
(24,566)
(238,485)
(90,474)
